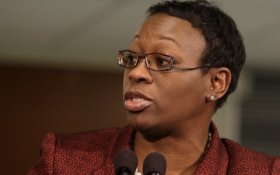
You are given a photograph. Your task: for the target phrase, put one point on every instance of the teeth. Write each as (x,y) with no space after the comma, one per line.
(136,103)
(138,99)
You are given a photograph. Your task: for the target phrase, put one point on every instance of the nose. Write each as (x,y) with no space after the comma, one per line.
(140,73)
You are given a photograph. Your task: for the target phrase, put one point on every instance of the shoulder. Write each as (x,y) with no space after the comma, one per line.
(244,159)
(73,153)
(235,150)
(86,141)
(276,167)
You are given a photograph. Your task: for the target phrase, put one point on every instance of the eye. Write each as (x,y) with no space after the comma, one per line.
(129,58)
(158,61)
(162,60)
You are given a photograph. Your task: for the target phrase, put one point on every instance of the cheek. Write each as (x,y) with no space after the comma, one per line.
(181,92)
(125,80)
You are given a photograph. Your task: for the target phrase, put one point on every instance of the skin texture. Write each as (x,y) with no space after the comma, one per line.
(177,119)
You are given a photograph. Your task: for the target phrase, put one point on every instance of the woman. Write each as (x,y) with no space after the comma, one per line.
(181,66)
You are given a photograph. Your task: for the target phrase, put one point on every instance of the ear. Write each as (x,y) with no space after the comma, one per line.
(220,81)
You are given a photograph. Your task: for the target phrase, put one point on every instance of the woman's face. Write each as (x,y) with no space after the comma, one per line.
(164,102)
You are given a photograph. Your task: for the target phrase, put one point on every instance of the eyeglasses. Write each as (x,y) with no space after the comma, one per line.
(154,61)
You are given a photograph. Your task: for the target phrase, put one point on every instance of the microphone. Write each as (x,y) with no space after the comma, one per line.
(154,164)
(125,163)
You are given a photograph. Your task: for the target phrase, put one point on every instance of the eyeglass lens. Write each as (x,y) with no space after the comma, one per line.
(154,61)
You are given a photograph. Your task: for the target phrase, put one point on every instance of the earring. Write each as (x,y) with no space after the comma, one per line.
(212,98)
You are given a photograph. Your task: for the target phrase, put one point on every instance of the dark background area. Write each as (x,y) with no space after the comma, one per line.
(260,126)
(37,100)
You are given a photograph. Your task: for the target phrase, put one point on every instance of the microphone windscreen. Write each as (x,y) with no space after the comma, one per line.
(154,163)
(125,162)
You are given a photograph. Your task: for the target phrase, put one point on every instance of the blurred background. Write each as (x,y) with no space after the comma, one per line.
(58,72)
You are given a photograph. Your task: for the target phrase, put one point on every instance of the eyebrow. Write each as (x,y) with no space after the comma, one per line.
(169,39)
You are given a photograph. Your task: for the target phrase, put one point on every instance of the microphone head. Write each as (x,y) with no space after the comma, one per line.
(154,163)
(125,161)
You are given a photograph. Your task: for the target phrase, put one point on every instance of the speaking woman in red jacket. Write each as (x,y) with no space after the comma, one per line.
(182,64)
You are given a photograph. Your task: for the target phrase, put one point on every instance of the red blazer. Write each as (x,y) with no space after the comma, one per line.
(92,153)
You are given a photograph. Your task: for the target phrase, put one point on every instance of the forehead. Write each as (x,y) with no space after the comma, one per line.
(165,22)
(162,29)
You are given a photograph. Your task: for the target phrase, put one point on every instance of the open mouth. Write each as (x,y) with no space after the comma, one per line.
(136,102)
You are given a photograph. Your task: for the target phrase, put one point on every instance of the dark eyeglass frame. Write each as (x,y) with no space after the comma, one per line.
(144,56)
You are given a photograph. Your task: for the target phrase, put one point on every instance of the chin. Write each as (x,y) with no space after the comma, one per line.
(137,122)
(150,130)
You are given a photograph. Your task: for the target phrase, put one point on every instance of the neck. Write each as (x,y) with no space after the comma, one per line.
(182,153)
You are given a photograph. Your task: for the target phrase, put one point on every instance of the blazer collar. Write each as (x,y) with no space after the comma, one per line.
(215,161)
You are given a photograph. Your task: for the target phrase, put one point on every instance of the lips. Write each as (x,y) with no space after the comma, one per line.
(136,101)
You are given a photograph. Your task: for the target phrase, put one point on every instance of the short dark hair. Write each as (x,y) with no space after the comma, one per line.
(224,43)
